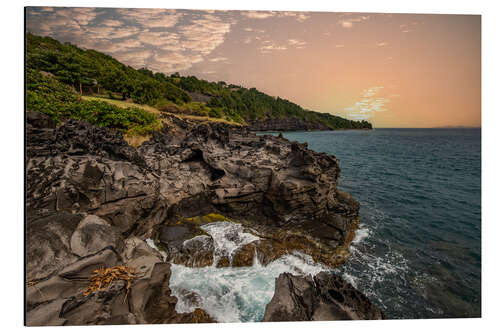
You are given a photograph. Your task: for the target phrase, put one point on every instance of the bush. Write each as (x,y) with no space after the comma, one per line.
(215,113)
(47,95)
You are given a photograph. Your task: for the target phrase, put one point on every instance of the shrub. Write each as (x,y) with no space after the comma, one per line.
(47,95)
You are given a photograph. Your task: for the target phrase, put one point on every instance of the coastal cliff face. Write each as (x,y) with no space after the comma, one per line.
(285,124)
(93,201)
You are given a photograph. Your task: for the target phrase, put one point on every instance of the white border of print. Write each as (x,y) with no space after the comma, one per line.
(12,162)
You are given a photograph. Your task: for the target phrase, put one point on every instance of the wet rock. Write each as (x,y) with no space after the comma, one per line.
(223,262)
(323,297)
(190,298)
(186,244)
(244,255)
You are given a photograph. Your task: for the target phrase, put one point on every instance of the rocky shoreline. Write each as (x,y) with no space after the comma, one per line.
(285,124)
(92,201)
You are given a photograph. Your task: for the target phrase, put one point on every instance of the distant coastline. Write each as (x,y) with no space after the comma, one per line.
(458,127)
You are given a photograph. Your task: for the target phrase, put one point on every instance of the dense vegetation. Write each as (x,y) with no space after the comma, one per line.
(47,95)
(92,72)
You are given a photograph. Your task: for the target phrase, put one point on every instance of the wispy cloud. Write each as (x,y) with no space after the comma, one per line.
(369,103)
(205,34)
(258,14)
(299,16)
(297,43)
(348,20)
(218,59)
(151,18)
(112,23)
(268,46)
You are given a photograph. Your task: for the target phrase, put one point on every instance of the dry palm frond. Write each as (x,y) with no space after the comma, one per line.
(102,278)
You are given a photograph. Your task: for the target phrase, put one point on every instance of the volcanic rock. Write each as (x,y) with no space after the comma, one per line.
(322,297)
(92,201)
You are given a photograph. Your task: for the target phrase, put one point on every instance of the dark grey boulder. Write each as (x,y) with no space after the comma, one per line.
(323,297)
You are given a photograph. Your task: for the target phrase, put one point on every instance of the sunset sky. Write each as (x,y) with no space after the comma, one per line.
(394,70)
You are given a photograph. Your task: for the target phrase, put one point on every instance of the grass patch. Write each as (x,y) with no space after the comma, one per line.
(177,110)
(121,104)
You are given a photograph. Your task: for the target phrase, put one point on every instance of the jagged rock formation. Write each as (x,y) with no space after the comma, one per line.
(286,124)
(92,199)
(58,298)
(322,297)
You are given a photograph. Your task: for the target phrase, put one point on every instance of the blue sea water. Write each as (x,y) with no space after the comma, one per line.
(417,253)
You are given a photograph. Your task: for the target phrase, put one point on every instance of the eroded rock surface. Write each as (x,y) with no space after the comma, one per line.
(88,191)
(322,297)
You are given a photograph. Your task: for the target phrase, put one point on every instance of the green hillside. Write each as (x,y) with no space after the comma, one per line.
(54,67)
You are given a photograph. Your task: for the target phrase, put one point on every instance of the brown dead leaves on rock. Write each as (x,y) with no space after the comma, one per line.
(103,277)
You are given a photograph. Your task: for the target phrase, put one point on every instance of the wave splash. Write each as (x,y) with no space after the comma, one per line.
(234,294)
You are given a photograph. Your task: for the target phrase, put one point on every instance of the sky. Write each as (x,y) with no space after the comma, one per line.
(393,70)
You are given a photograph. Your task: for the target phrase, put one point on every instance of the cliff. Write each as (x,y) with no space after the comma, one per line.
(92,201)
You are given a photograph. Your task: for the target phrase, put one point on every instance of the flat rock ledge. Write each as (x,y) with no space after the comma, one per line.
(322,297)
(92,201)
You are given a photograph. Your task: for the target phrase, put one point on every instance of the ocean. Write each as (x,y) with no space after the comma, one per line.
(417,253)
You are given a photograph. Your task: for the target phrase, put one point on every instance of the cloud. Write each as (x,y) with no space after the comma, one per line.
(82,16)
(174,61)
(382,44)
(218,59)
(112,23)
(296,42)
(269,46)
(204,34)
(350,20)
(339,45)
(151,18)
(166,40)
(368,104)
(299,16)
(136,58)
(162,39)
(258,14)
(346,24)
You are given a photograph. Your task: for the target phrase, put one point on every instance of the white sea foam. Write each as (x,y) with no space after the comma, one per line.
(362,233)
(151,243)
(234,294)
(351,279)
(228,237)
